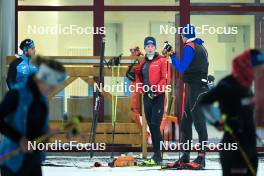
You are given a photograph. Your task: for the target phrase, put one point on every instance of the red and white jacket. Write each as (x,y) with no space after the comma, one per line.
(159,73)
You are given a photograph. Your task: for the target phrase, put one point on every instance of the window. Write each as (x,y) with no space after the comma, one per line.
(222,1)
(58,33)
(130,29)
(125,29)
(139,2)
(55,2)
(239,34)
(222,48)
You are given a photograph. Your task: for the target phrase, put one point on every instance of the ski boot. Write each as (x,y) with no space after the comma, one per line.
(179,164)
(155,160)
(197,164)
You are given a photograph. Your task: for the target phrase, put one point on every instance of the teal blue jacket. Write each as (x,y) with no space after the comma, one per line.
(18,121)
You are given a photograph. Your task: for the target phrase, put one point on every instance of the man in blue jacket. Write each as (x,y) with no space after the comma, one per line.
(194,67)
(21,68)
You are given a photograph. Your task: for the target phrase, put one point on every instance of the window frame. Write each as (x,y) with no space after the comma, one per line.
(185,9)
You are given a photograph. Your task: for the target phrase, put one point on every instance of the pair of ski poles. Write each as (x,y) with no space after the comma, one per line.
(114,103)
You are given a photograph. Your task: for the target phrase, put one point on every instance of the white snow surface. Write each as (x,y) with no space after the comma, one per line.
(81,166)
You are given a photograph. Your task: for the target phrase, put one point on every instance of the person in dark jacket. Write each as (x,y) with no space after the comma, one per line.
(153,75)
(24,118)
(21,68)
(194,67)
(234,98)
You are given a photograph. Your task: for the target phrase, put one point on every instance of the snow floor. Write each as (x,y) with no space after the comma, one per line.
(59,165)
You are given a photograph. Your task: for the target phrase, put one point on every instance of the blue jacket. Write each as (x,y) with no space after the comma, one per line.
(187,56)
(18,120)
(19,70)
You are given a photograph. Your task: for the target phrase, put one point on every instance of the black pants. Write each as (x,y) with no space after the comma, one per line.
(31,167)
(192,114)
(154,110)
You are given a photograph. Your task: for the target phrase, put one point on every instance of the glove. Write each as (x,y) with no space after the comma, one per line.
(167,49)
(131,75)
(151,95)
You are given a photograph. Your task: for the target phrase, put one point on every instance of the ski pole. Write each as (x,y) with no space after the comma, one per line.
(71,126)
(229,130)
(242,151)
(114,110)
(97,98)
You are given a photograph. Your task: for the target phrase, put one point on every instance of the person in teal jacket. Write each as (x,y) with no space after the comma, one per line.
(21,68)
(24,118)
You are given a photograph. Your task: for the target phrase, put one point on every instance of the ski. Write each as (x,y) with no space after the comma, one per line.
(97,97)
(185,166)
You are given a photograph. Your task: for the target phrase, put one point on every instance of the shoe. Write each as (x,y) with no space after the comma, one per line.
(197,164)
(150,162)
(157,158)
(179,164)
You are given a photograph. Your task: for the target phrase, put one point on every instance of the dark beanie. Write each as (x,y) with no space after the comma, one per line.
(150,40)
(188,31)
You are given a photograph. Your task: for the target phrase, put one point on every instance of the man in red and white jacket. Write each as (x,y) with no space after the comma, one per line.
(152,78)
